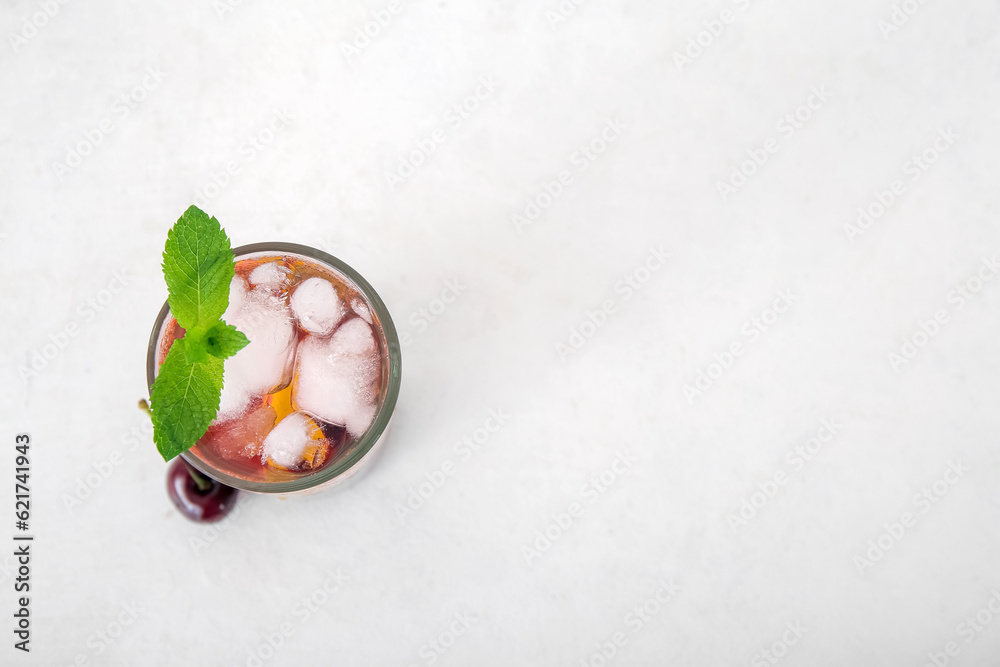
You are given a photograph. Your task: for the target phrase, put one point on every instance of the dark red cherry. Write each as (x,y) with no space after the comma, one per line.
(197,497)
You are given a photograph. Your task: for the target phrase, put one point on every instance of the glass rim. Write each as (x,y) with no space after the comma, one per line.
(371,435)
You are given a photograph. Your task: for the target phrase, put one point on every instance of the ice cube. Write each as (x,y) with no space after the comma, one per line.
(336,379)
(265,363)
(237,294)
(240,439)
(296,443)
(272,275)
(361,308)
(316,306)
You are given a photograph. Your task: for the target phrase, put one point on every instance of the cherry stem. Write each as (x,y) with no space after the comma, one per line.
(203,483)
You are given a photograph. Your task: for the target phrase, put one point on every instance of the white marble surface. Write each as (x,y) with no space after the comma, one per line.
(213,81)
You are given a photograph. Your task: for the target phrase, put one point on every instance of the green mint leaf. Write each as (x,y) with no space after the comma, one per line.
(198,267)
(184,398)
(224,340)
(220,340)
(194,348)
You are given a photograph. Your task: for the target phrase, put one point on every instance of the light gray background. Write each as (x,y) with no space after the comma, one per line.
(321,180)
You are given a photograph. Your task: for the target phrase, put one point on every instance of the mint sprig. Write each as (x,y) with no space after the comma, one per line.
(198,266)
